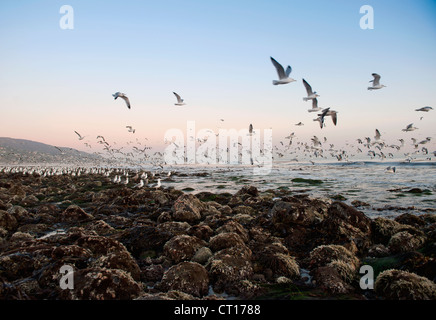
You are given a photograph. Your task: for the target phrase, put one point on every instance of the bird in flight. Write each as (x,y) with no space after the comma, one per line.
(310,94)
(80,137)
(377,135)
(409,127)
(376,82)
(424,109)
(122,96)
(315,107)
(283,75)
(179,100)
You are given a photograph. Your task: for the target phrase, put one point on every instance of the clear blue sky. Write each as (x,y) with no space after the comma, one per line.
(216,55)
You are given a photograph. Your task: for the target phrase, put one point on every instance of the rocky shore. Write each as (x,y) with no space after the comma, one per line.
(163,243)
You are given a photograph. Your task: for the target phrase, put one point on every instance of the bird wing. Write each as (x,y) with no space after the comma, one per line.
(334,118)
(280,71)
(308,88)
(127,101)
(179,99)
(376,80)
(78,134)
(288,71)
(314,103)
(377,134)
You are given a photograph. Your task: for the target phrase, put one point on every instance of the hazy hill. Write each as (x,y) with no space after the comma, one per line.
(15,151)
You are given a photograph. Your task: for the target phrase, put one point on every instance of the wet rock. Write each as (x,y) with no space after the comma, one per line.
(228,267)
(187,208)
(378,251)
(324,254)
(202,255)
(152,273)
(7,221)
(233,226)
(19,213)
(347,226)
(144,238)
(411,220)
(16,266)
(174,227)
(74,213)
(201,231)
(358,204)
(404,241)
(383,229)
(188,277)
(329,279)
(182,247)
(297,211)
(225,240)
(102,284)
(401,285)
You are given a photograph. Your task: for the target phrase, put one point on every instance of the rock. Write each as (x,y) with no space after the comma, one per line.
(234,226)
(228,267)
(7,221)
(153,273)
(404,241)
(19,213)
(142,239)
(298,212)
(188,277)
(411,220)
(358,203)
(202,255)
(182,247)
(402,285)
(74,213)
(16,266)
(324,254)
(328,279)
(383,229)
(378,251)
(201,231)
(344,225)
(225,240)
(187,208)
(102,284)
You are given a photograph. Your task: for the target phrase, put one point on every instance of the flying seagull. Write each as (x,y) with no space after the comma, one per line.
(377,135)
(123,96)
(299,124)
(409,127)
(310,94)
(376,82)
(424,109)
(80,137)
(179,100)
(327,112)
(283,76)
(315,107)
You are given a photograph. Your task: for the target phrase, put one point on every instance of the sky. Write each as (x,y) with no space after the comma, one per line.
(216,55)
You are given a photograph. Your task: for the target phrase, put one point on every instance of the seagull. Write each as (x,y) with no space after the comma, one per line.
(123,96)
(390,169)
(250,129)
(130,128)
(299,124)
(179,100)
(157,185)
(283,76)
(410,127)
(139,185)
(376,82)
(310,94)
(424,109)
(327,112)
(377,134)
(315,107)
(320,120)
(80,137)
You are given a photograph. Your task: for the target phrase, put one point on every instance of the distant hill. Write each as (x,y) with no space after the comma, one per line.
(20,151)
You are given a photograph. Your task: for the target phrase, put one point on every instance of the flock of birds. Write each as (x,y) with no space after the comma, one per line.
(133,178)
(137,152)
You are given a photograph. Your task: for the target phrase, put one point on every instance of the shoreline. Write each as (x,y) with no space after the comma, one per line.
(163,243)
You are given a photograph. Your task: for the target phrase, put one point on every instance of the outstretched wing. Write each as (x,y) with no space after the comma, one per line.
(280,71)
(308,88)
(127,101)
(376,80)
(179,99)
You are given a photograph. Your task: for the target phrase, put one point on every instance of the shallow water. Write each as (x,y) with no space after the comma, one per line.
(365,181)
